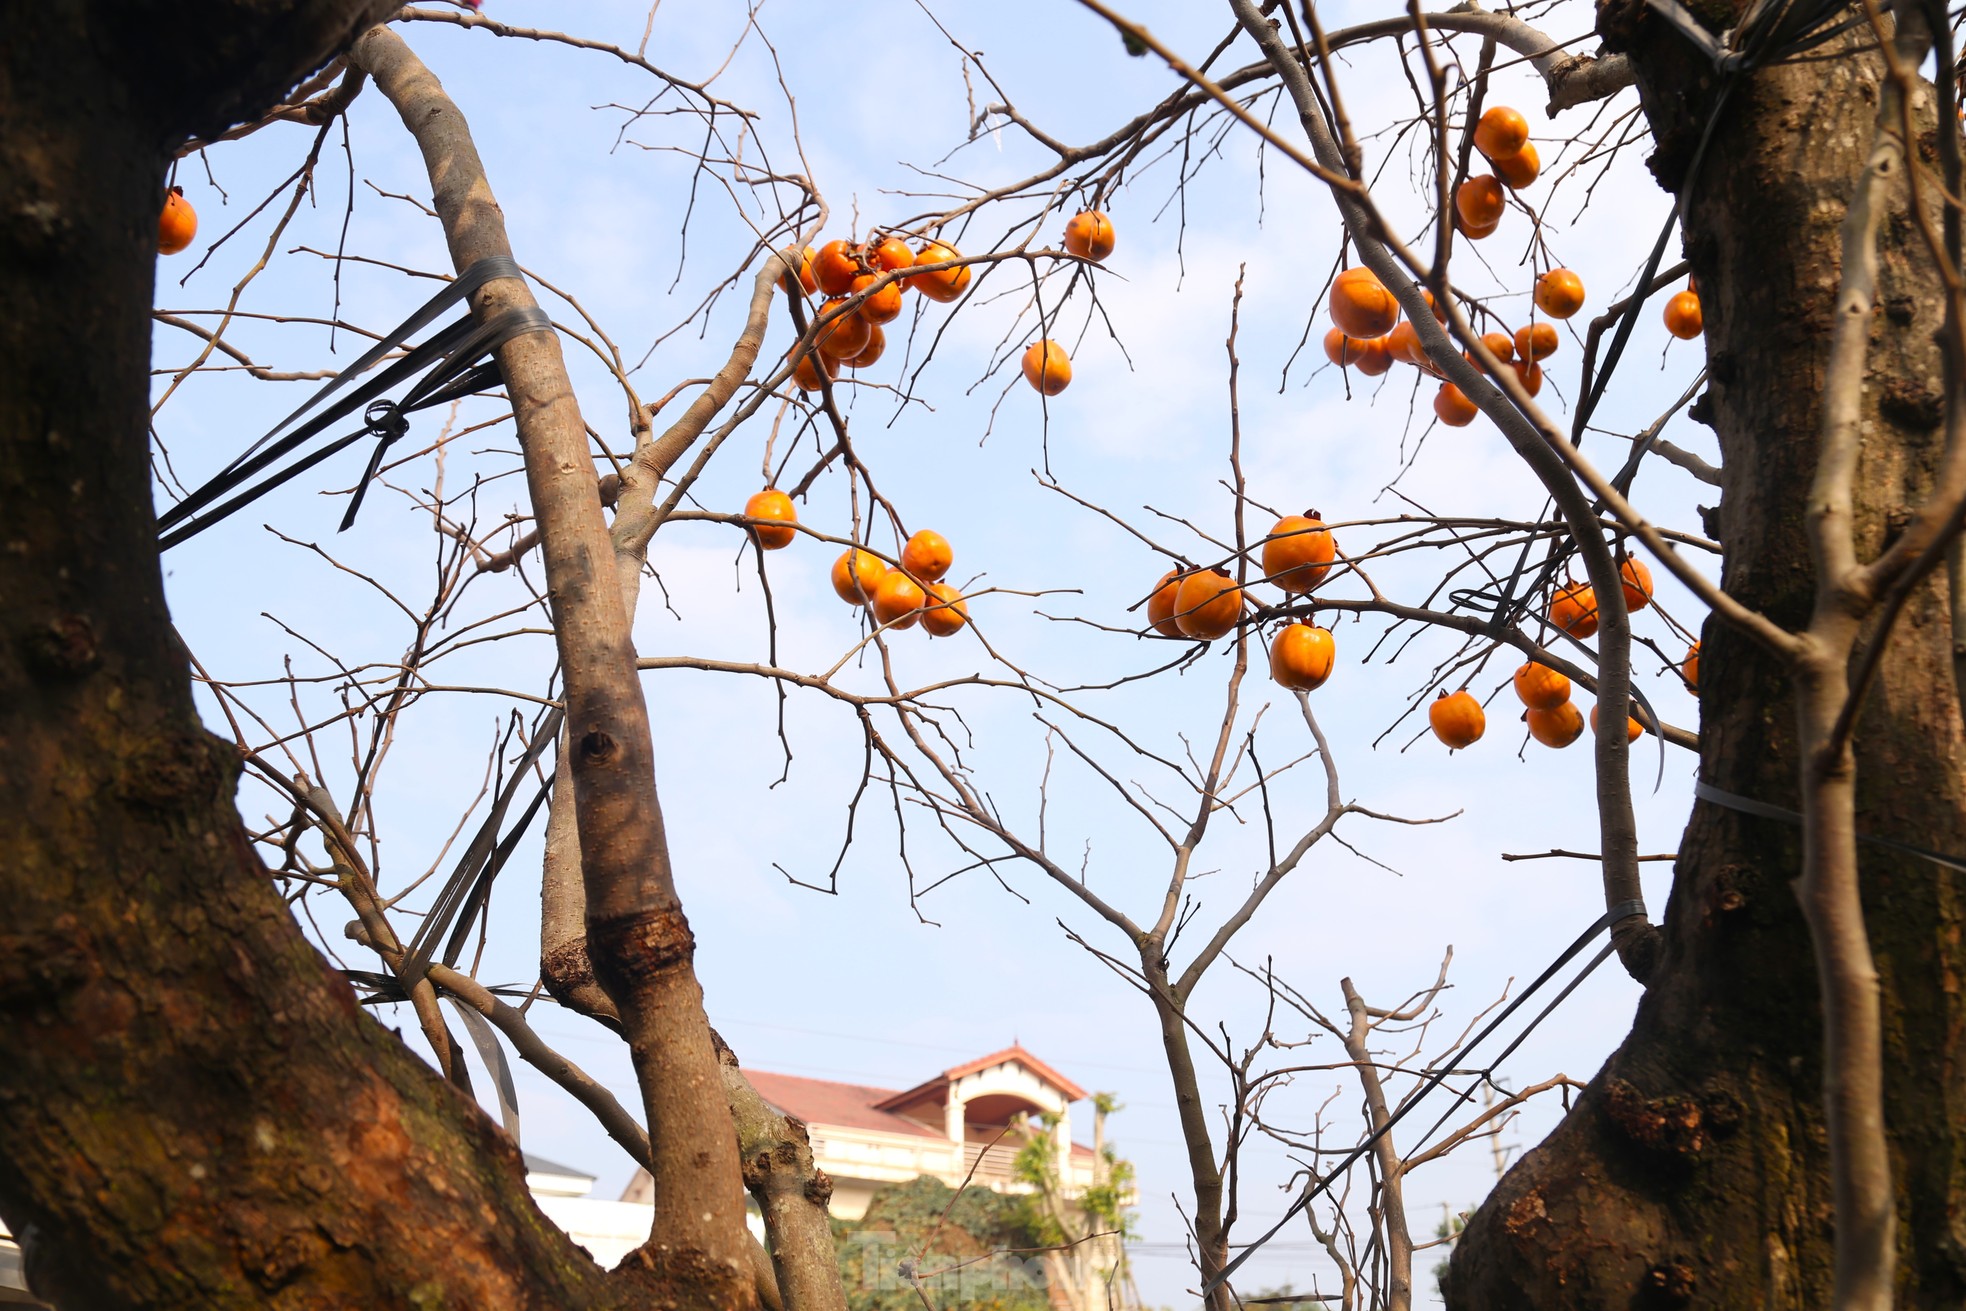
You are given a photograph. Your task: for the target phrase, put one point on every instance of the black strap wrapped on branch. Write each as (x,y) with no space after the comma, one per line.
(448,362)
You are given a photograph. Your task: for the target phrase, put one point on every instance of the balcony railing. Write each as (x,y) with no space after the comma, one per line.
(992,1165)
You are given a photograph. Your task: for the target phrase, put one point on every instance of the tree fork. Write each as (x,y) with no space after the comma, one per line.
(638,938)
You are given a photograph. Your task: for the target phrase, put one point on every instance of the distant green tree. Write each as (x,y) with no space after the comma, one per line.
(971,1252)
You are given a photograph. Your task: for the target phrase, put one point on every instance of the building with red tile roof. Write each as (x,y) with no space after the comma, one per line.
(954,1127)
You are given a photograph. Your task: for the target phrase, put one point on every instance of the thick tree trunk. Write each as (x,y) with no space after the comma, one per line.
(193,1112)
(1695,1170)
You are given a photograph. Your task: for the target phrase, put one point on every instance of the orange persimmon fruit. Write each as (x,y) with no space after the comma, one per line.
(1501,133)
(927,555)
(1207,604)
(777,507)
(856,575)
(177,224)
(1480,201)
(1301,657)
(1457,719)
(1089,235)
(1361,305)
(1558,726)
(1683,318)
(835,267)
(1521,168)
(897,600)
(1536,341)
(1160,606)
(1636,581)
(1298,552)
(943,285)
(945,614)
(1454,407)
(1541,688)
(1047,367)
(1559,293)
(1574,609)
(845,336)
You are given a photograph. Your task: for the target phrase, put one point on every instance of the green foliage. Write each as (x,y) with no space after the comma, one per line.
(981,1222)
(1283,1298)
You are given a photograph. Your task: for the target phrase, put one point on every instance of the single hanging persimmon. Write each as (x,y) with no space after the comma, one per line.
(1089,235)
(942,285)
(1559,293)
(927,555)
(1480,201)
(1558,726)
(1301,656)
(1473,232)
(1047,367)
(881,306)
(1345,351)
(876,347)
(1574,609)
(1500,346)
(1403,344)
(844,336)
(1536,341)
(1633,729)
(1689,669)
(806,281)
(1453,407)
(806,372)
(856,574)
(1541,688)
(1375,356)
(1369,355)
(1298,552)
(1520,169)
(177,224)
(1530,374)
(1502,132)
(1636,582)
(776,506)
(898,600)
(944,614)
(1207,604)
(1457,719)
(889,254)
(1160,606)
(835,268)
(1361,305)
(1683,318)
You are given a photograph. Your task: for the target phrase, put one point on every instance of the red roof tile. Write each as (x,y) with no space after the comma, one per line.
(849,1105)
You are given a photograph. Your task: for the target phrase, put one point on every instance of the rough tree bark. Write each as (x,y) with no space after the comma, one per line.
(192,1110)
(1695,1169)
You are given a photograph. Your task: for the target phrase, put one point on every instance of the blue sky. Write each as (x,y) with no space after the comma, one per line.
(857,986)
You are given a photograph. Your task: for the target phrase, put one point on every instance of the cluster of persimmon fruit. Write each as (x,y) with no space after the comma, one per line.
(1205,604)
(854,337)
(898,596)
(1370,336)
(1457,718)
